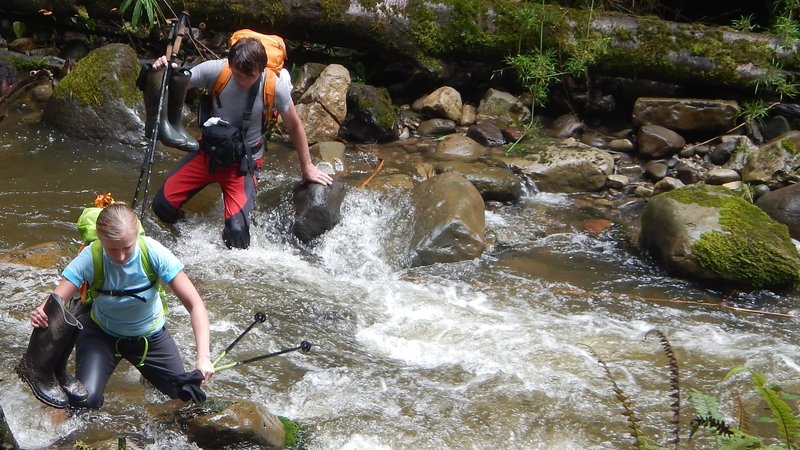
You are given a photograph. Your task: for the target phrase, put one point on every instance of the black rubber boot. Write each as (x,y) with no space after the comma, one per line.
(45,349)
(75,390)
(152,90)
(178,85)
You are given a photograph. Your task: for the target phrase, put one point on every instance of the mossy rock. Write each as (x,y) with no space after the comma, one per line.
(295,436)
(371,117)
(99,99)
(220,423)
(728,238)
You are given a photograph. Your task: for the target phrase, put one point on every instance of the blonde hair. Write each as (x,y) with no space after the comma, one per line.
(117,221)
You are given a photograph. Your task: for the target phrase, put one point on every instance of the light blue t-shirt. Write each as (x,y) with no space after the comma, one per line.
(233,100)
(127,316)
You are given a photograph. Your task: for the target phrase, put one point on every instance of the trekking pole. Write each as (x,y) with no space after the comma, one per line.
(175,38)
(304,346)
(259,318)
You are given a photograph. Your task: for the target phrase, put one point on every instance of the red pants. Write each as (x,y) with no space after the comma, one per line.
(191,175)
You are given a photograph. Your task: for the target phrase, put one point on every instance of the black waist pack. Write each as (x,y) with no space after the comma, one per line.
(224,145)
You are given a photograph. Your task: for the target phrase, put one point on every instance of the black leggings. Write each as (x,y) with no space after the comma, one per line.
(96,359)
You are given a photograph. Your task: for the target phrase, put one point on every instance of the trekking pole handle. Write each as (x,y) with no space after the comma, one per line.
(176,36)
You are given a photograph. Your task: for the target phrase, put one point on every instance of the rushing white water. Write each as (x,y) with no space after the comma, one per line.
(484,354)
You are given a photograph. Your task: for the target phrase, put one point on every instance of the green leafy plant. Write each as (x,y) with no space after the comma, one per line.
(789,146)
(536,72)
(744,23)
(19,29)
(359,73)
(147,11)
(538,69)
(585,49)
(786,28)
(81,19)
(754,111)
(747,192)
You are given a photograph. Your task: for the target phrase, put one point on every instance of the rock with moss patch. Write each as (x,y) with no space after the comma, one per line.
(371,117)
(99,99)
(238,423)
(709,233)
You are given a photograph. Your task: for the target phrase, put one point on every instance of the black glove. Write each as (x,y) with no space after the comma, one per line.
(142,78)
(188,384)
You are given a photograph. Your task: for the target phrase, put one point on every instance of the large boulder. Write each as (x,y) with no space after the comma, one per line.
(444,102)
(686,114)
(323,107)
(656,142)
(458,147)
(449,221)
(710,233)
(99,99)
(502,109)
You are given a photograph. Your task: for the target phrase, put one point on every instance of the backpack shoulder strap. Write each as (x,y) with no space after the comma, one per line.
(222,79)
(151,274)
(99,276)
(148,268)
(89,290)
(270,114)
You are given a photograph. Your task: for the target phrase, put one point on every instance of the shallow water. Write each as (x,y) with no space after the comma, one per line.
(482,354)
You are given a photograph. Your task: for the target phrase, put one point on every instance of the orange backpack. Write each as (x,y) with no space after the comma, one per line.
(276,56)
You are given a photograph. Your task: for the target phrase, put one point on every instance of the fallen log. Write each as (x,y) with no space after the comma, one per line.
(433,31)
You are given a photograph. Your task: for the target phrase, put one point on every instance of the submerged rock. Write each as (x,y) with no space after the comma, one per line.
(41,256)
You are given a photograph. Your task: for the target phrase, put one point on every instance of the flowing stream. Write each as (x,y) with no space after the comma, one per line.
(484,354)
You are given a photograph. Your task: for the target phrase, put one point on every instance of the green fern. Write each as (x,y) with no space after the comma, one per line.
(708,417)
(19,29)
(785,420)
(704,405)
(725,435)
(783,417)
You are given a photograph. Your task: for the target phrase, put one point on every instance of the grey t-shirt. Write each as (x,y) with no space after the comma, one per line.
(233,99)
